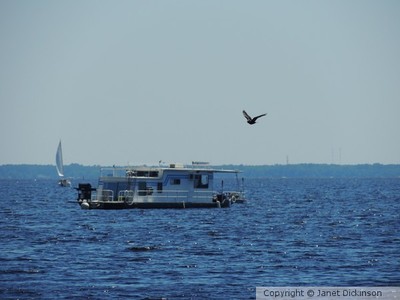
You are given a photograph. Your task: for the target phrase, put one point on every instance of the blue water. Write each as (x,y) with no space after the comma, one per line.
(292,232)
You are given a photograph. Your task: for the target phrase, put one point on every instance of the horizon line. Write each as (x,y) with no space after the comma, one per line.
(229,164)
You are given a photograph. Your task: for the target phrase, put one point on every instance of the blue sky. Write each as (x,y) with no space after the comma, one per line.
(131,82)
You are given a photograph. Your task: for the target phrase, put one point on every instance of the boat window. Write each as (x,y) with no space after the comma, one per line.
(159,187)
(175,181)
(142,188)
(147,173)
(204,179)
(201,181)
(142,173)
(149,191)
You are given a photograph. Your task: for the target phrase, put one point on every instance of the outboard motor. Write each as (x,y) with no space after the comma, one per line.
(84,191)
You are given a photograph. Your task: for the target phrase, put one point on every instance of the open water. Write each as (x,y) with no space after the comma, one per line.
(292,232)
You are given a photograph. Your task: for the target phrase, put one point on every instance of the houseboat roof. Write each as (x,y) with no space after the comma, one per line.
(124,171)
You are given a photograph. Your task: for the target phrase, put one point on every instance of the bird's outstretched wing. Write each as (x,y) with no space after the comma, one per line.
(246,115)
(255,118)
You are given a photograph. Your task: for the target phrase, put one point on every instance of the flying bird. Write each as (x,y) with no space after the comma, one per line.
(251,120)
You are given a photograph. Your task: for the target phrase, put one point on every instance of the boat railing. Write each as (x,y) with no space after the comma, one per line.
(129,172)
(234,195)
(103,195)
(126,196)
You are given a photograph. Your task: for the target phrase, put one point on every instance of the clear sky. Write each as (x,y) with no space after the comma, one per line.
(132,82)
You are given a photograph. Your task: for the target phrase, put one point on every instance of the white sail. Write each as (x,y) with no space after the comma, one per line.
(59,161)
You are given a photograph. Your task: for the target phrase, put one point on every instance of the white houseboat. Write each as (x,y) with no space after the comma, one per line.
(175,186)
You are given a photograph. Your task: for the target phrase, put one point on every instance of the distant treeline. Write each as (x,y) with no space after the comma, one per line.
(47,171)
(320,171)
(78,171)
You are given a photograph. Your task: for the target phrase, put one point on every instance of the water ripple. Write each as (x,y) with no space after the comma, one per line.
(291,232)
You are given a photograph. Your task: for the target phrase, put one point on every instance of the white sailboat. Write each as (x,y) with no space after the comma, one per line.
(60,167)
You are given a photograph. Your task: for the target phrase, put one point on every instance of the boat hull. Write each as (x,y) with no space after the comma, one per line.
(64,183)
(151,205)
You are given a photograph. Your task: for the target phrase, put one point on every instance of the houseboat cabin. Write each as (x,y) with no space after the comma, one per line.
(175,186)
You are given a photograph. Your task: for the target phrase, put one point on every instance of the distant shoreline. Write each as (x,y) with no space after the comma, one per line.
(80,172)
